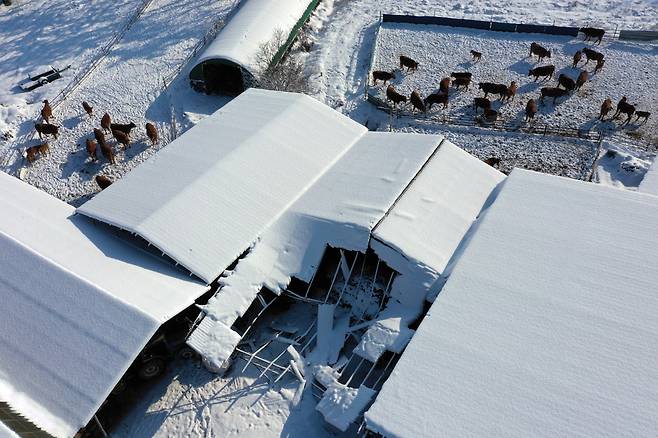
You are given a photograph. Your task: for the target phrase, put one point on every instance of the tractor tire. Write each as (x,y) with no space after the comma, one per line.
(151,369)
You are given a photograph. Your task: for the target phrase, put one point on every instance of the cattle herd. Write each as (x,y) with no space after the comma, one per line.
(462,81)
(120,132)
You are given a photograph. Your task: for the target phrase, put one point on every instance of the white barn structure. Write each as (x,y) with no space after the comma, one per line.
(78,305)
(546,326)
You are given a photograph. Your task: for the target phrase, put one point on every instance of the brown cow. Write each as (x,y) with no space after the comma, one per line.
(599,65)
(417,102)
(88,109)
(444,85)
(576,58)
(91,149)
(47,129)
(108,153)
(530,110)
(31,154)
(552,92)
(405,61)
(103,181)
(582,78)
(606,106)
(536,49)
(626,108)
(490,115)
(477,56)
(492,161)
(46,111)
(100,137)
(379,75)
(592,32)
(121,138)
(510,92)
(394,96)
(592,55)
(642,115)
(546,70)
(566,82)
(105,122)
(481,102)
(439,98)
(152,133)
(461,82)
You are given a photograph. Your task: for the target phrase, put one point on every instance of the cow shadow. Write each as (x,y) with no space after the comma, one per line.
(79,163)
(521,66)
(531,87)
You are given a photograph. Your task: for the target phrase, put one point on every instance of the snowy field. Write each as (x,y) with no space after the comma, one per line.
(128,84)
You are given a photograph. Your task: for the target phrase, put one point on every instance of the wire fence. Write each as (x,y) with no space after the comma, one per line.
(12,155)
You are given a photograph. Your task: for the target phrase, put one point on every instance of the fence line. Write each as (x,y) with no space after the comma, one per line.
(498,26)
(11,156)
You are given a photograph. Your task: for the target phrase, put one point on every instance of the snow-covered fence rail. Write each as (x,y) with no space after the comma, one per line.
(638,35)
(480,24)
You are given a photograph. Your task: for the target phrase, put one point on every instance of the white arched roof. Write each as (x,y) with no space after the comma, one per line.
(254,23)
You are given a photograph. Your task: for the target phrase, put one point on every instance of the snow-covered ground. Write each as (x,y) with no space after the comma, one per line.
(128,84)
(63,33)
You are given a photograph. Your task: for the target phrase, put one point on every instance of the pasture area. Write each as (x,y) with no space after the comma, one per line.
(629,70)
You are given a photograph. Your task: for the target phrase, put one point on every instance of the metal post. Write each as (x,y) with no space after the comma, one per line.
(100,426)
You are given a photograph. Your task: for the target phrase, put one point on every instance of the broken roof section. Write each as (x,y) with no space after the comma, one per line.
(339,210)
(547,321)
(235,173)
(68,334)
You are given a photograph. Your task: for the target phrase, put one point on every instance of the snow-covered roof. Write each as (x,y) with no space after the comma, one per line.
(439,207)
(339,210)
(545,327)
(78,304)
(207,196)
(254,23)
(650,182)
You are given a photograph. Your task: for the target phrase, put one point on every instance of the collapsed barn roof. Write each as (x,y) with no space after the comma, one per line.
(546,322)
(78,305)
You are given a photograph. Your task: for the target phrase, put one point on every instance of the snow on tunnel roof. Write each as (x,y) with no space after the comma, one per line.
(546,326)
(254,23)
(439,207)
(649,183)
(78,305)
(207,196)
